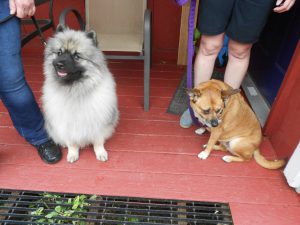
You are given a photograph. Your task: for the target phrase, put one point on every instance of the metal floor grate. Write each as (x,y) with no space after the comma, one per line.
(31,207)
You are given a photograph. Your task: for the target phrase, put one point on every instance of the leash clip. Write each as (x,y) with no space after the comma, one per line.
(40,33)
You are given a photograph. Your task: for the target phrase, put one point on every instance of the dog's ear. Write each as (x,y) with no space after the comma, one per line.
(227,93)
(194,94)
(60,28)
(92,35)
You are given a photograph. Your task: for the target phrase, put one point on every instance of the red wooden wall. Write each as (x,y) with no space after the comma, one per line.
(58,6)
(283,125)
(166,15)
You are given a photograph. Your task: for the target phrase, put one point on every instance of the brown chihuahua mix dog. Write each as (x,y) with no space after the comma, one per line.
(232,123)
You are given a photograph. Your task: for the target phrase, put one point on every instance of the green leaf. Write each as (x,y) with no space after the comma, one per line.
(46,195)
(58,208)
(76,202)
(133,219)
(52,197)
(38,212)
(197,34)
(93,197)
(51,215)
(69,200)
(68,213)
(83,197)
(41,220)
(75,205)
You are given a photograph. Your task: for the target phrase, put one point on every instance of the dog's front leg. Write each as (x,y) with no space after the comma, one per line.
(73,153)
(214,137)
(101,153)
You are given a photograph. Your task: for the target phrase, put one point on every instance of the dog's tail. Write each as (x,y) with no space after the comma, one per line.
(268,164)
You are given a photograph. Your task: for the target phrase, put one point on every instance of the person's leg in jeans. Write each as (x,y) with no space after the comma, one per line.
(16,94)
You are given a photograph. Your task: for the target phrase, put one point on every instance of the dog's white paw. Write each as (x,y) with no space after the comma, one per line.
(203,155)
(101,155)
(72,156)
(226,158)
(200,130)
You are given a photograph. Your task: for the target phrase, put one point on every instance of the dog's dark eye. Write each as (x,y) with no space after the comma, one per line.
(76,56)
(59,52)
(206,111)
(219,111)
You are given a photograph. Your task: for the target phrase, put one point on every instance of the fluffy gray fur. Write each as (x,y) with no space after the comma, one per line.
(85,112)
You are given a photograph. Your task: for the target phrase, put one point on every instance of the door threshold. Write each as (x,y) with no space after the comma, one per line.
(257,102)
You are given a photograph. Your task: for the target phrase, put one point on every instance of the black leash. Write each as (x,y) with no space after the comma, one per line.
(40,33)
(62,21)
(65,12)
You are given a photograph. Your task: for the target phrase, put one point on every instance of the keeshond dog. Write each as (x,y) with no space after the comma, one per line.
(79,93)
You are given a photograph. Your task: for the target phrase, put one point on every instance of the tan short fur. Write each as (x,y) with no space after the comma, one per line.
(233,125)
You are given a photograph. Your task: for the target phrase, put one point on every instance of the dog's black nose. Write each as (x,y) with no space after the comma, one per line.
(214,123)
(59,65)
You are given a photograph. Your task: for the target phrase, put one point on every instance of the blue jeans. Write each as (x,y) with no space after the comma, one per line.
(14,90)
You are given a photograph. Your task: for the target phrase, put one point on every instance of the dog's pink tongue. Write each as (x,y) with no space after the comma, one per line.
(61,74)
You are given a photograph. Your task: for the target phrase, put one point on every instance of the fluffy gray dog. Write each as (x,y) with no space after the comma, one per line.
(79,93)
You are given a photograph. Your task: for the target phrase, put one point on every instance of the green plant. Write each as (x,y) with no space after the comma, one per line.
(65,209)
(197,35)
(196,38)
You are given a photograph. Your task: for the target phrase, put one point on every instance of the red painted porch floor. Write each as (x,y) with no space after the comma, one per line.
(149,156)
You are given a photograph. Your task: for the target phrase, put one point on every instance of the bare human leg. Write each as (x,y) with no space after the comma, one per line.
(238,62)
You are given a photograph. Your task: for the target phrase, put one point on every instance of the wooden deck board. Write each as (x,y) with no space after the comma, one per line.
(100,180)
(149,156)
(180,161)
(265,214)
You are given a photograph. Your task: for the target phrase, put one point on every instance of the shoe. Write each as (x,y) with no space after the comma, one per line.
(49,152)
(186,119)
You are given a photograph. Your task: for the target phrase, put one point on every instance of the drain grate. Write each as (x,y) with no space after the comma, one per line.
(30,207)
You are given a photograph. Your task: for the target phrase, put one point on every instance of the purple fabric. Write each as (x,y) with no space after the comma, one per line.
(181,2)
(190,50)
(190,44)
(191,54)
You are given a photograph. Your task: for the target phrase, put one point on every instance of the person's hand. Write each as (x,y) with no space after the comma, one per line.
(22,8)
(283,5)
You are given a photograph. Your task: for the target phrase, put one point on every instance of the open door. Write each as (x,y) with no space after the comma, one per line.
(283,124)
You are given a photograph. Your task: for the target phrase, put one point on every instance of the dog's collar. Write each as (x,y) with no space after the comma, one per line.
(225,101)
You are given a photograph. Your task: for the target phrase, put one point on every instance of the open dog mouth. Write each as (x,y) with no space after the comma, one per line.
(61,73)
(67,72)
(68,77)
